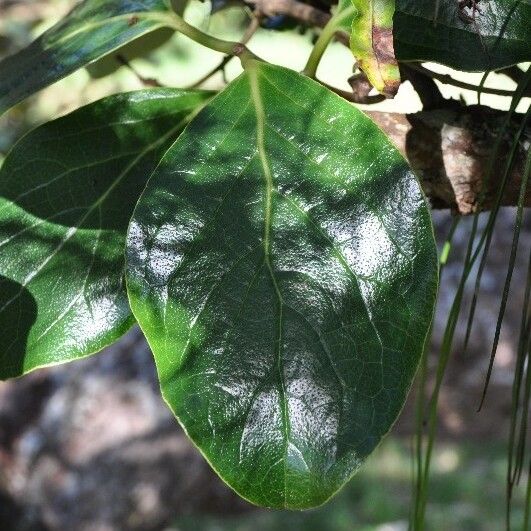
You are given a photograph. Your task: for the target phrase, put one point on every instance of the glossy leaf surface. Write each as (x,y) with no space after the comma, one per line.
(371,42)
(92,29)
(281,263)
(67,192)
(489,36)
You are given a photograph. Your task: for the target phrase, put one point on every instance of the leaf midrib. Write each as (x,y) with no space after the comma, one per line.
(261,124)
(256,98)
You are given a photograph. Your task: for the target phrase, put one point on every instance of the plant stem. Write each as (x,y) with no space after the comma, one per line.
(249,32)
(147,82)
(324,40)
(350,96)
(219,68)
(231,48)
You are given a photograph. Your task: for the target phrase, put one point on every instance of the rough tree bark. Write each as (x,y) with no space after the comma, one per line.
(450,150)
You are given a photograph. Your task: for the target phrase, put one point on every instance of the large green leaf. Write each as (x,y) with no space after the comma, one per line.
(494,34)
(282,265)
(67,191)
(92,29)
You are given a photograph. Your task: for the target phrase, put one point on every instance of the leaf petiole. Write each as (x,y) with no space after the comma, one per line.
(324,39)
(231,48)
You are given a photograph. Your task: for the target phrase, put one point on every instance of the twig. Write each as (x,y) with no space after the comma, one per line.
(428,91)
(512,72)
(449,80)
(252,27)
(356,96)
(249,32)
(221,66)
(146,81)
(307,14)
(304,13)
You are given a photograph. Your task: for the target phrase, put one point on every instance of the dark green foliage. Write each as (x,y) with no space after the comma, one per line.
(284,278)
(489,36)
(67,191)
(280,259)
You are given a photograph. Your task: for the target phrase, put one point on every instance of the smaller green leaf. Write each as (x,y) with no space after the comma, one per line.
(91,30)
(371,42)
(67,191)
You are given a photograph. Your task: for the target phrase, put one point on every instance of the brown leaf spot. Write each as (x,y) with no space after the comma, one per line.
(382,43)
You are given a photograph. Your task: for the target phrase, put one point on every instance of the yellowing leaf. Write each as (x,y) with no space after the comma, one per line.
(372,44)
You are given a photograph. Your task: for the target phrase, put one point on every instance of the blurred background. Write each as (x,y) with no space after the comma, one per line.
(91,446)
